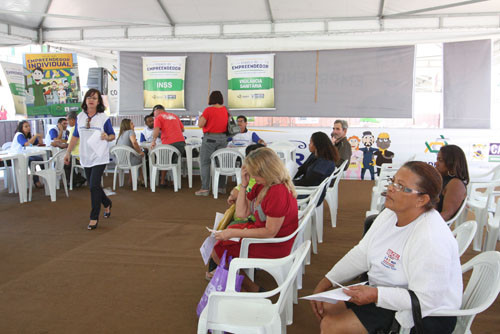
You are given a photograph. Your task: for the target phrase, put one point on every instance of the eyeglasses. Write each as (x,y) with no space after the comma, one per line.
(88,122)
(400,188)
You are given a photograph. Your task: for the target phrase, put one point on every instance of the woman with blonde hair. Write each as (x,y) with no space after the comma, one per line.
(273,202)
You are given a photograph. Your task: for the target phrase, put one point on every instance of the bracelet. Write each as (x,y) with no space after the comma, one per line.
(241,184)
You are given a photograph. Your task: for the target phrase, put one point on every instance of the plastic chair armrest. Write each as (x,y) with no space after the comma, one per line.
(246,242)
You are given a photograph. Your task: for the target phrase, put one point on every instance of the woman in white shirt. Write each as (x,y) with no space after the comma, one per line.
(409,247)
(94,129)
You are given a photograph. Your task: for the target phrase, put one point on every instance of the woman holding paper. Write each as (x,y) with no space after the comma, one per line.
(273,202)
(94,129)
(409,247)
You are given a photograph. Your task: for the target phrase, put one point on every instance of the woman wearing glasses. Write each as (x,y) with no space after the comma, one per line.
(409,247)
(94,129)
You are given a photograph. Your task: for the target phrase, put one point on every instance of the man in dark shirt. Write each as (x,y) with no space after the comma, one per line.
(341,143)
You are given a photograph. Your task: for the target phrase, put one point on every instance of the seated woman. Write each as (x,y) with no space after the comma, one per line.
(409,246)
(273,202)
(452,165)
(127,137)
(321,162)
(22,139)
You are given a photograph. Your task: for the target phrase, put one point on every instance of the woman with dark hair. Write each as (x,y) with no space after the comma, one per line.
(452,165)
(409,247)
(214,123)
(22,139)
(321,162)
(127,137)
(94,129)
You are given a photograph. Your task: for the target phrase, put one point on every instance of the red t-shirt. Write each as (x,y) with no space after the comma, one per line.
(216,119)
(278,202)
(170,126)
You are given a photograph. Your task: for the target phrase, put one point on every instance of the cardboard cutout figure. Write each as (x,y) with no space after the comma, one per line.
(384,156)
(368,139)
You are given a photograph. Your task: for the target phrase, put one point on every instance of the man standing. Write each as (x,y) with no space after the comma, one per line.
(245,137)
(341,143)
(171,129)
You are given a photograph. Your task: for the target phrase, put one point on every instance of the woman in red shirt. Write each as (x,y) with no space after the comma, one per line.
(214,124)
(272,201)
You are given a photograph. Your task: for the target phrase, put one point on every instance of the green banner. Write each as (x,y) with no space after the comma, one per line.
(250,83)
(162,85)
(17,89)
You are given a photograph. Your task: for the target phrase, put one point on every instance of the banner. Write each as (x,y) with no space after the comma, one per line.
(15,80)
(250,82)
(163,79)
(52,83)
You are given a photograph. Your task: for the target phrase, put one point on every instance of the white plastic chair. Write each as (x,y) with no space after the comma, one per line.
(49,175)
(160,158)
(223,163)
(464,233)
(191,144)
(492,229)
(459,215)
(123,154)
(9,176)
(74,166)
(378,200)
(480,293)
(317,221)
(285,150)
(255,312)
(332,194)
(480,204)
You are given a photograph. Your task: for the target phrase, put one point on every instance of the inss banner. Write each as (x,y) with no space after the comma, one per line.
(52,83)
(250,82)
(163,79)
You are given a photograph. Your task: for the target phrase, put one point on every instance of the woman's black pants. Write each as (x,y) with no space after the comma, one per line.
(97,195)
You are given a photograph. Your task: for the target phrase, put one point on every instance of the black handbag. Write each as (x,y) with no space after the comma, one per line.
(232,126)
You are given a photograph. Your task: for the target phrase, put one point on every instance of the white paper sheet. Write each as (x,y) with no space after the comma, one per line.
(206,248)
(331,296)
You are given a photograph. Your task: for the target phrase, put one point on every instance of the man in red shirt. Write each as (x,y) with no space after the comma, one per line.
(171,129)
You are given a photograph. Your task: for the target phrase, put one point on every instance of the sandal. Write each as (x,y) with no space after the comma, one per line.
(202,192)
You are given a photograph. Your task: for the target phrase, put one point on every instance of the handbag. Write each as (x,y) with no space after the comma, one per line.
(232,126)
(218,283)
(228,217)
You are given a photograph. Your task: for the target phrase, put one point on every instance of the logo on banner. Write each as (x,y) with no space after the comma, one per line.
(494,152)
(435,146)
(478,152)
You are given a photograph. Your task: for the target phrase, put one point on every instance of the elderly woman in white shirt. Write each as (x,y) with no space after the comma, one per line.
(409,247)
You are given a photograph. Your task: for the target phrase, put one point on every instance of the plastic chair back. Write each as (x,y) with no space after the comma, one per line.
(6,146)
(122,154)
(492,231)
(482,289)
(193,141)
(465,234)
(224,160)
(162,155)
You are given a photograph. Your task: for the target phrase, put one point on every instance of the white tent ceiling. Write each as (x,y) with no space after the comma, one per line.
(101,26)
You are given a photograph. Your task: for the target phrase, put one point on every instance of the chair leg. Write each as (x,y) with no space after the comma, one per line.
(215,184)
(114,179)
(175,179)
(65,184)
(319,223)
(144,174)
(152,182)
(31,187)
(133,173)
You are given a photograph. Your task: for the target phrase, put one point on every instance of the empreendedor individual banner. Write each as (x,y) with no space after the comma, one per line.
(250,82)
(52,83)
(15,79)
(163,79)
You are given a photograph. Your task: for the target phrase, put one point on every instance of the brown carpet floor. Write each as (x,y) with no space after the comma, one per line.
(141,270)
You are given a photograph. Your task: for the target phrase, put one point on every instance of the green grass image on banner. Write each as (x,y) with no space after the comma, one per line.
(250,83)
(161,85)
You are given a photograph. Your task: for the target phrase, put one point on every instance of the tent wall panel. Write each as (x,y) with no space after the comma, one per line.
(467,84)
(372,82)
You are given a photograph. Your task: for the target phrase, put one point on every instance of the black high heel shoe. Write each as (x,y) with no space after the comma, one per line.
(93,227)
(108,214)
